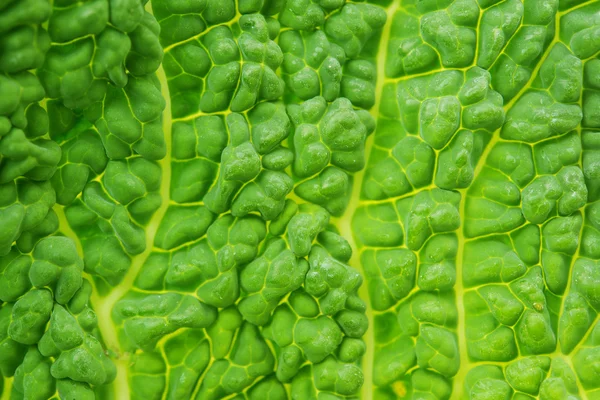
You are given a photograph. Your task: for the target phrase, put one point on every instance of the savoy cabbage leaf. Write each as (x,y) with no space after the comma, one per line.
(299,199)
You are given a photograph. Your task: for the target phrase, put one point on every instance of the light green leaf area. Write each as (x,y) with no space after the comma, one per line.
(299,199)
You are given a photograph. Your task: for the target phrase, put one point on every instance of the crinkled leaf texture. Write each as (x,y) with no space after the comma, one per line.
(299,199)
